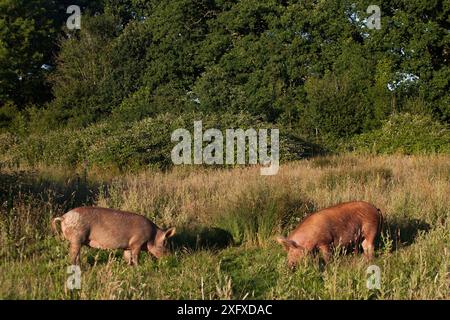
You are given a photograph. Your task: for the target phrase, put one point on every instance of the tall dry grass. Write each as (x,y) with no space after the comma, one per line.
(401,186)
(226,221)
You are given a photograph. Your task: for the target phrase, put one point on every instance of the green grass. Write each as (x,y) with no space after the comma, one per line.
(226,222)
(416,272)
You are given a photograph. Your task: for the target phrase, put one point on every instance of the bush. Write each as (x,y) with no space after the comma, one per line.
(406,134)
(129,146)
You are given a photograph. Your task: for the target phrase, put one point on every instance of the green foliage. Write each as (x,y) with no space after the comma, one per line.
(8,112)
(134,145)
(29,32)
(407,134)
(312,68)
(81,83)
(338,104)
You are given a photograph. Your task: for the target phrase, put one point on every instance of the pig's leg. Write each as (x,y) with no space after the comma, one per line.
(357,242)
(368,247)
(356,248)
(135,255)
(127,256)
(326,253)
(370,234)
(74,250)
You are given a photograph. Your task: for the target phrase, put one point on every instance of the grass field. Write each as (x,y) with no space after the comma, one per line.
(226,223)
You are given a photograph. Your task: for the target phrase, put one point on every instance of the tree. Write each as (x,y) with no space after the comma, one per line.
(82,81)
(27,33)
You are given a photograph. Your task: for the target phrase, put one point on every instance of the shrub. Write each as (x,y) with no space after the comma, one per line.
(133,145)
(405,134)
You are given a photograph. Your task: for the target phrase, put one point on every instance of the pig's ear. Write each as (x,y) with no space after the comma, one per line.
(169,233)
(286,243)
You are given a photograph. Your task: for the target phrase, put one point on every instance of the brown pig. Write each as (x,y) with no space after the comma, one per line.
(346,224)
(112,229)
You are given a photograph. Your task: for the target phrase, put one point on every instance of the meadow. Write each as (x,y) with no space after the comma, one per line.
(227,220)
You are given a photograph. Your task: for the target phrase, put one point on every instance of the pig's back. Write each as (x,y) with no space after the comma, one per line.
(112,228)
(338,224)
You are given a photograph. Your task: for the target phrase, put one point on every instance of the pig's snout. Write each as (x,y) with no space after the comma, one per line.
(159,247)
(292,265)
(157,251)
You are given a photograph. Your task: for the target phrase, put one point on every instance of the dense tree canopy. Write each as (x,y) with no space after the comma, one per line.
(312,66)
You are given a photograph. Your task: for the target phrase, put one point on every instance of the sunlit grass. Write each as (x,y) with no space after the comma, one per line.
(226,221)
